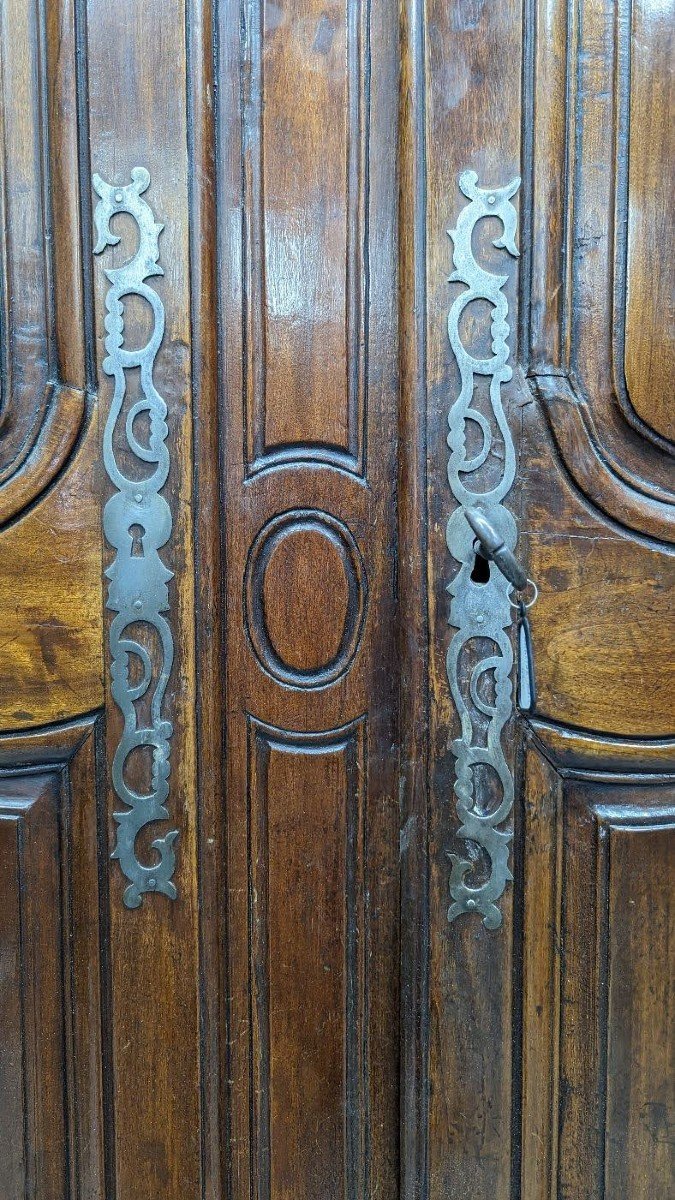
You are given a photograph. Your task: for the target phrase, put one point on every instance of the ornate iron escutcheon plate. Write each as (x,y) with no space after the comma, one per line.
(137,523)
(481,611)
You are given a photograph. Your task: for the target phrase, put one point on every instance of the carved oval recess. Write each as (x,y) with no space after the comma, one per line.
(305,595)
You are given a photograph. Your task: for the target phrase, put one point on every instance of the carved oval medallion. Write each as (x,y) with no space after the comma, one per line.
(305,598)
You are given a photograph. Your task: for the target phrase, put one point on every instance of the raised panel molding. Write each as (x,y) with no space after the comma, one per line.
(645,328)
(304,255)
(307,864)
(577,198)
(599,844)
(309,357)
(278,590)
(45,373)
(54,1059)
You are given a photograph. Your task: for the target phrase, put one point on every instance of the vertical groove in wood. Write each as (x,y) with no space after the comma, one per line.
(65,835)
(558,954)
(413,600)
(107,1005)
(540,975)
(601,986)
(357,1102)
(201,50)
(357,282)
(259,750)
(253,207)
(83,152)
(14,1131)
(64,132)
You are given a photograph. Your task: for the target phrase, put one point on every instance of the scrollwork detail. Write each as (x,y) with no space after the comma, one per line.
(138,592)
(480,611)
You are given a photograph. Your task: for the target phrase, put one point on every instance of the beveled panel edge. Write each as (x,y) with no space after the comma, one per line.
(622,137)
(548,342)
(559,799)
(340,739)
(649,513)
(56,437)
(258,456)
(62,409)
(269,535)
(572,750)
(47,745)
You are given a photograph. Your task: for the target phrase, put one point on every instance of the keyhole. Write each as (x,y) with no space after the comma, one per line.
(137,533)
(481,569)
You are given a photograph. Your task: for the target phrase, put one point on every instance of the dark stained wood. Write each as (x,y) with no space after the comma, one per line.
(582,91)
(639,1149)
(34,1064)
(310,531)
(214,1112)
(50,544)
(413,623)
(650,321)
(53,929)
(473,90)
(604,616)
(598,1085)
(303,1022)
(138,117)
(43,325)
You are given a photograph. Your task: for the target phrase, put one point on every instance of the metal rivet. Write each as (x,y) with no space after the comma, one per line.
(138,604)
(118,197)
(471,904)
(138,497)
(152,883)
(491,199)
(479,619)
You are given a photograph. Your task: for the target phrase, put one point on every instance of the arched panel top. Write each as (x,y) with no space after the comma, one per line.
(42,273)
(594,274)
(649,350)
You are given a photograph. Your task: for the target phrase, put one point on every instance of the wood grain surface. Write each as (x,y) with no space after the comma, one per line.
(303,1022)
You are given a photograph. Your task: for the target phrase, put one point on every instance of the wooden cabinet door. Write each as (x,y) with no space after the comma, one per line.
(550,1037)
(295,902)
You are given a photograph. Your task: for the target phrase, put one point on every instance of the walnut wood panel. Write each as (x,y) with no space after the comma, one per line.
(306,182)
(51,613)
(43,320)
(309,414)
(307,920)
(650,320)
(138,113)
(50,556)
(582,198)
(604,617)
(53,1051)
(254,1040)
(413,623)
(598,1096)
(473,86)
